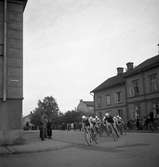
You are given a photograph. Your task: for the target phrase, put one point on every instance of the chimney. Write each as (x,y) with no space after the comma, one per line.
(120,70)
(130,66)
(81,100)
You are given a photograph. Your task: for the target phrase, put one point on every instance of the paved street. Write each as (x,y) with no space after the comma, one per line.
(133,149)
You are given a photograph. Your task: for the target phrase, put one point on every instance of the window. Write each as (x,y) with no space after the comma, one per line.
(156,110)
(99,101)
(120,113)
(137,111)
(131,92)
(108,101)
(135,84)
(118,97)
(153,83)
(1,49)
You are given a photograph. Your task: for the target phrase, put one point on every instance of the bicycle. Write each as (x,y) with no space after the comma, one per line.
(113,132)
(100,130)
(90,135)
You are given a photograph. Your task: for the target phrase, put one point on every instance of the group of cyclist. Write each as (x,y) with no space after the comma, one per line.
(108,124)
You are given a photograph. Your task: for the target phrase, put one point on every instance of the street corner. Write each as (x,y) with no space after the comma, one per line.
(4,150)
(40,146)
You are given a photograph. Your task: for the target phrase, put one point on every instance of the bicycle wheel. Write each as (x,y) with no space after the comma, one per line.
(114,134)
(87,137)
(94,137)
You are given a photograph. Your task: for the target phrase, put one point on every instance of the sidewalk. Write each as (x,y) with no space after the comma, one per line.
(32,145)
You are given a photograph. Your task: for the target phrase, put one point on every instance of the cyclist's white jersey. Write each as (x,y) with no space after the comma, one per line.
(92,122)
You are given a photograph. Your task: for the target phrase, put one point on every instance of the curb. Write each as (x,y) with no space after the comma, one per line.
(24,149)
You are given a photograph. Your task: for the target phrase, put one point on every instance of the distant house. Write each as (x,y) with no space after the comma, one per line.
(131,94)
(26,122)
(86,107)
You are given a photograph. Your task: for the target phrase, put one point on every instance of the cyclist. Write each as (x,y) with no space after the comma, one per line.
(88,122)
(116,125)
(88,126)
(120,124)
(85,122)
(110,123)
(98,121)
(93,124)
(98,125)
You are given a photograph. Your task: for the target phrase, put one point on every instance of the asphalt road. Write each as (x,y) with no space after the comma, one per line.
(131,150)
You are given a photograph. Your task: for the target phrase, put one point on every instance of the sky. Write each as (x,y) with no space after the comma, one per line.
(72,46)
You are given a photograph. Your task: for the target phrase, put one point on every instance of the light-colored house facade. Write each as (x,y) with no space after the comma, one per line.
(131,94)
(26,120)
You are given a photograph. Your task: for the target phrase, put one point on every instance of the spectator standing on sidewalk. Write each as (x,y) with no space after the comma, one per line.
(151,120)
(43,127)
(49,129)
(45,120)
(151,117)
(138,124)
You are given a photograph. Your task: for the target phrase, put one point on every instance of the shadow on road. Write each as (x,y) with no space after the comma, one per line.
(101,148)
(91,147)
(133,145)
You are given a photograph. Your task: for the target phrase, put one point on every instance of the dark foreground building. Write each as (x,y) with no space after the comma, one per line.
(11,70)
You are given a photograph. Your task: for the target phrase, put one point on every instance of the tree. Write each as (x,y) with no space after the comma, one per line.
(47,106)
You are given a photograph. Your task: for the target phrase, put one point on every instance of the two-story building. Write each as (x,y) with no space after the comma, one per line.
(131,94)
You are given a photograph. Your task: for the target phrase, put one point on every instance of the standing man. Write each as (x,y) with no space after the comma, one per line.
(43,127)
(49,129)
(151,121)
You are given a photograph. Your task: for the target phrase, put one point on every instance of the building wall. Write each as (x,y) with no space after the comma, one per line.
(147,79)
(1,46)
(129,85)
(113,108)
(26,120)
(152,97)
(136,110)
(11,109)
(142,104)
(133,105)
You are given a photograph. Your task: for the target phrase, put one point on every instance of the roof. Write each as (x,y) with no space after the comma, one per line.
(89,103)
(27,116)
(111,82)
(24,1)
(120,79)
(144,66)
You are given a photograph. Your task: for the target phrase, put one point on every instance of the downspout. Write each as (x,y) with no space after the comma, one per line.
(93,101)
(144,93)
(126,102)
(5,53)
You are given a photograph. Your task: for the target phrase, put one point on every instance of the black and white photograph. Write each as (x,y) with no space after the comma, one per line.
(79,83)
